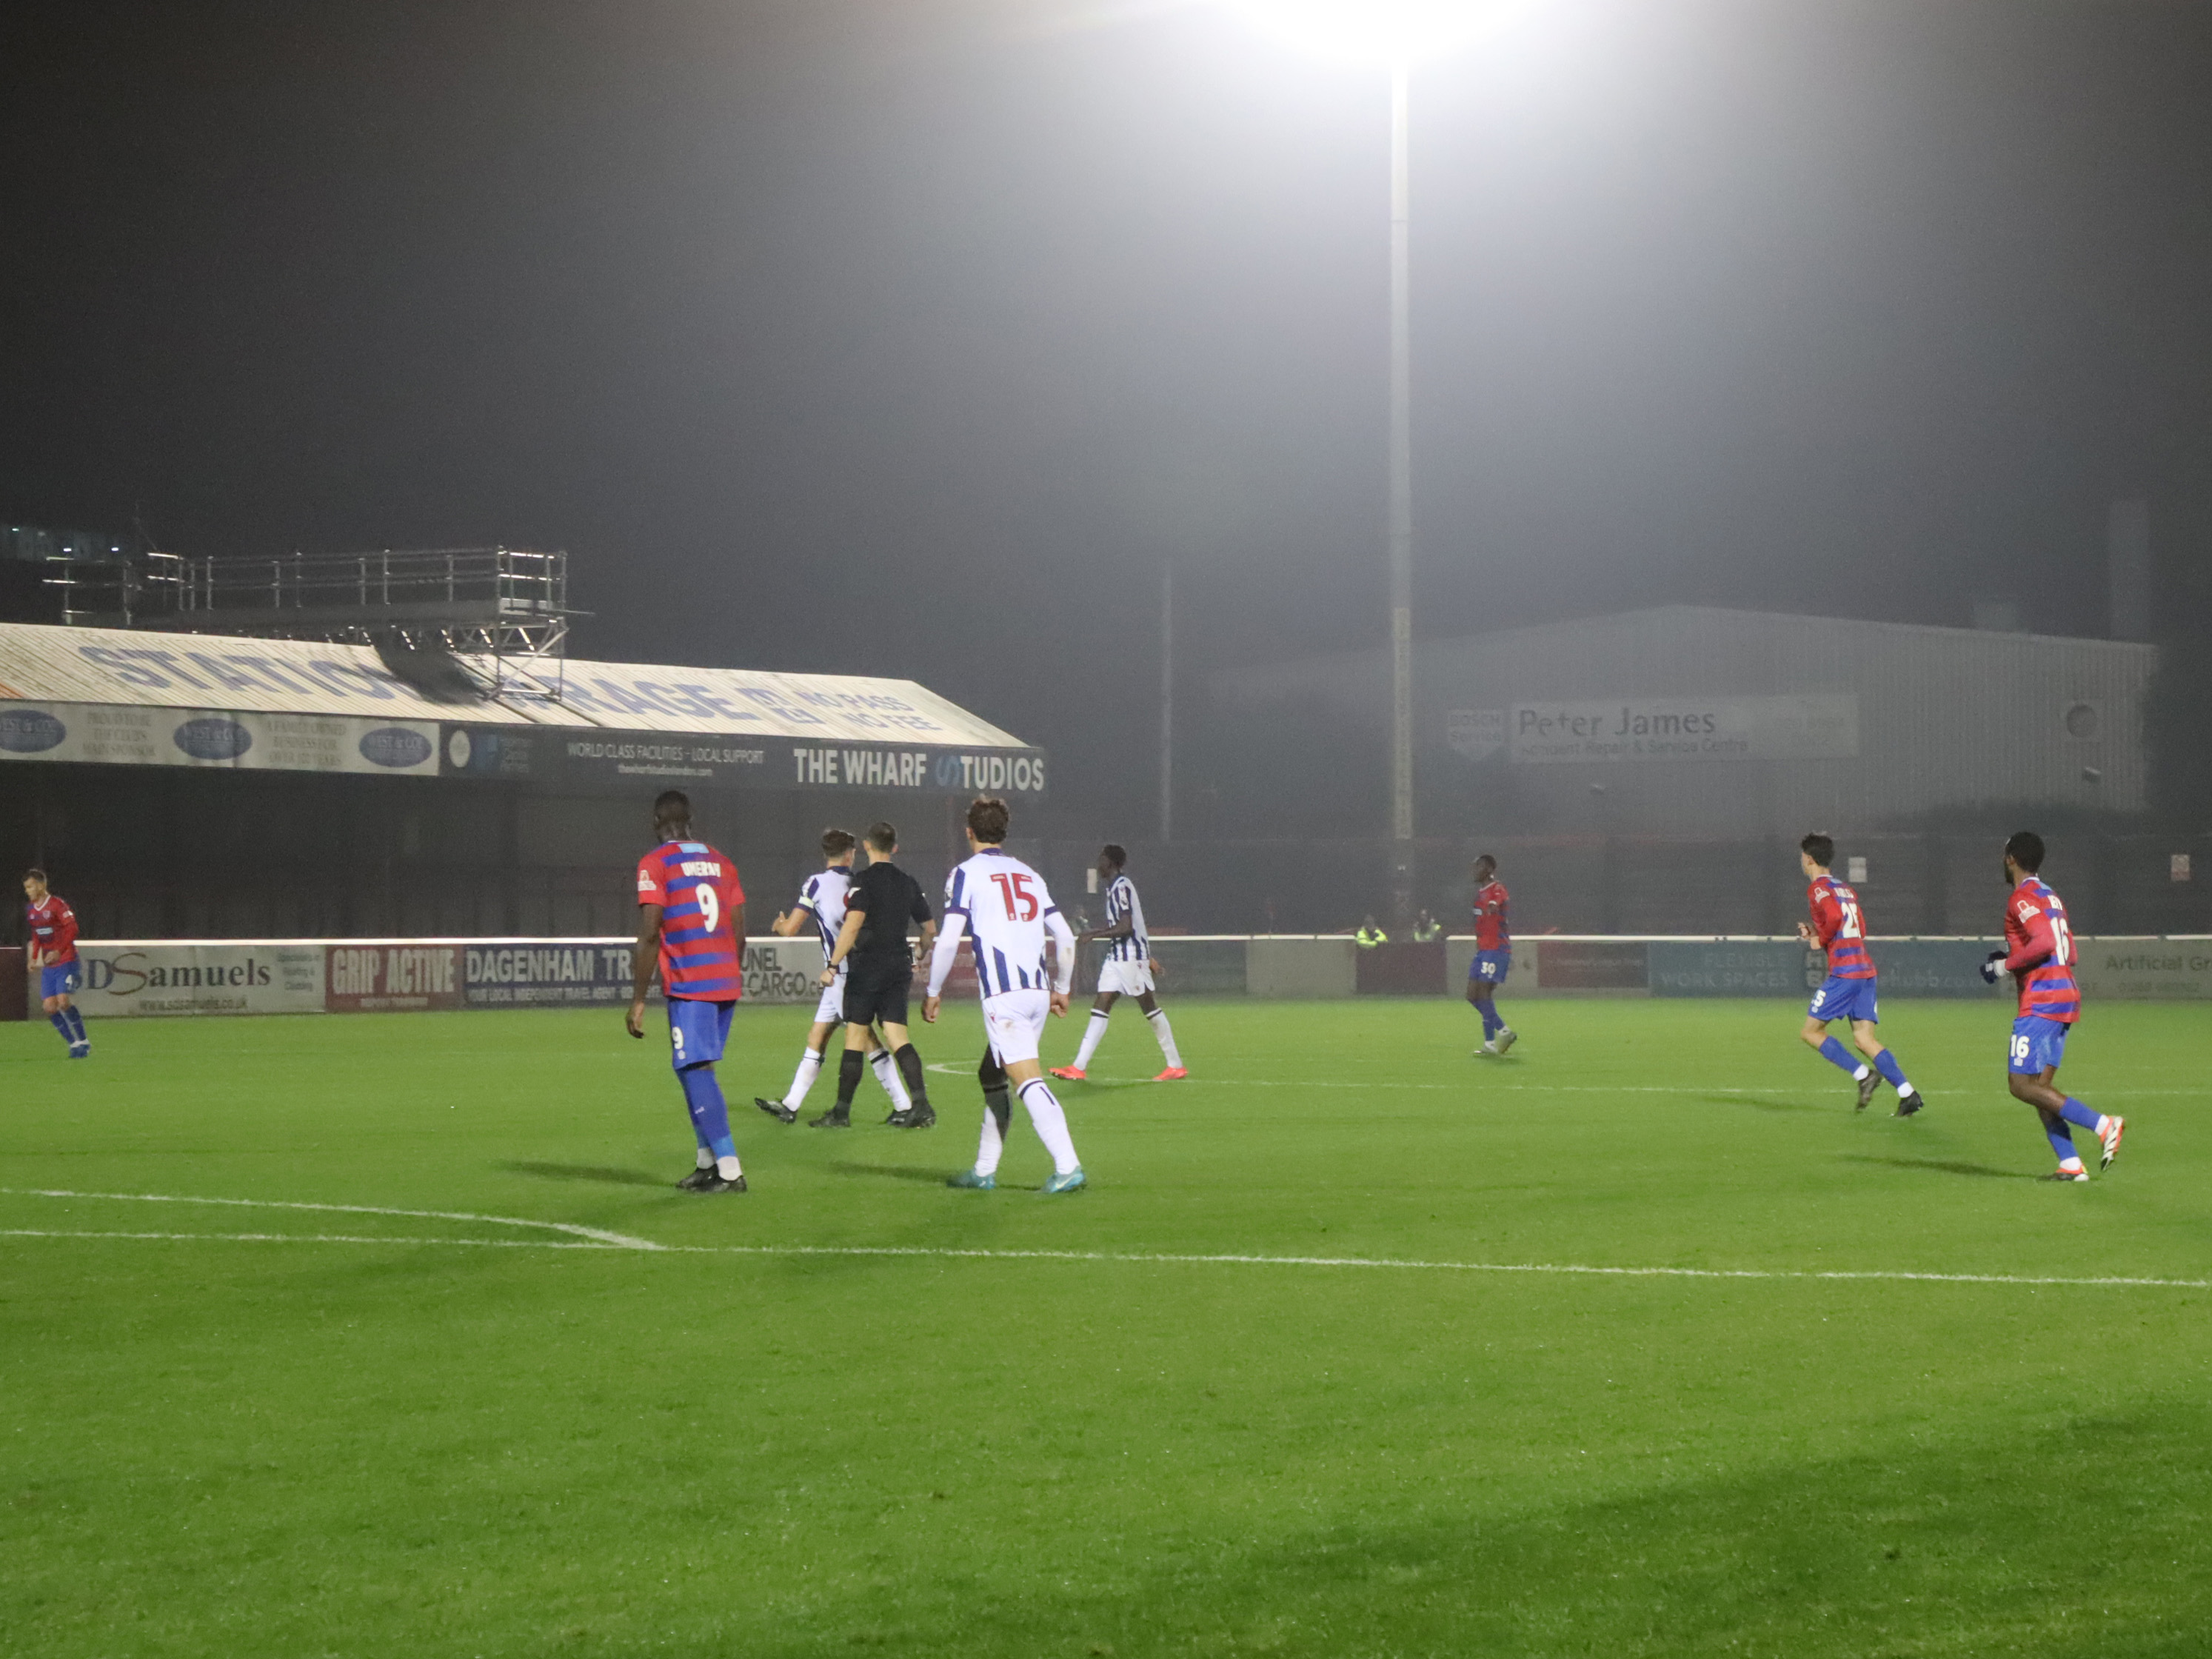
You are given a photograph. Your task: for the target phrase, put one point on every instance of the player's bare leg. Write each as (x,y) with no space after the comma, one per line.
(2059,1110)
(1094,1033)
(1814,1033)
(1165,1034)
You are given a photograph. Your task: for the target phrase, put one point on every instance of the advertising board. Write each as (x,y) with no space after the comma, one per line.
(556,973)
(599,759)
(2145,969)
(373,978)
(132,981)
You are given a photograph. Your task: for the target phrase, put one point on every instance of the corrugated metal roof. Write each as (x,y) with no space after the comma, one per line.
(115,667)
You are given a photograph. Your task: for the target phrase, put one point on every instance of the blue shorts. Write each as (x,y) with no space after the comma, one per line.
(58,982)
(1845,998)
(2036,1045)
(1490,967)
(697,1032)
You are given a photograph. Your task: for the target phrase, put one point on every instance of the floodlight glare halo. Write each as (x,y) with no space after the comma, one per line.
(1397,33)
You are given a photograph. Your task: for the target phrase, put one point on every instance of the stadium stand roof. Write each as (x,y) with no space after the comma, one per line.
(120,696)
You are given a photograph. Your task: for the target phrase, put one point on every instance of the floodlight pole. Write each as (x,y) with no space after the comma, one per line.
(1401,502)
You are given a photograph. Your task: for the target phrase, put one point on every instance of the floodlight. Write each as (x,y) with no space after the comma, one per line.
(1397,33)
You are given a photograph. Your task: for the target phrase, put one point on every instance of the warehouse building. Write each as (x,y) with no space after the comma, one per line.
(1695,721)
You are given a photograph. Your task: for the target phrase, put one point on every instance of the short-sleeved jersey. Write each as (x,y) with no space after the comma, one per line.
(889,898)
(1121,900)
(53,929)
(1840,925)
(1492,930)
(2041,952)
(821,896)
(1004,905)
(697,890)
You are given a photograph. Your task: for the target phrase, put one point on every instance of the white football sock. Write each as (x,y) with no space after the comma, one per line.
(810,1067)
(1863,1074)
(1051,1125)
(1160,1029)
(1093,1033)
(887,1074)
(727,1168)
(993,1146)
(706,1157)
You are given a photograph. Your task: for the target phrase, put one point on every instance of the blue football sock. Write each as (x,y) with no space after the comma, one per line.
(2074,1112)
(76,1025)
(710,1118)
(1490,1019)
(1885,1063)
(60,1023)
(1836,1054)
(2061,1142)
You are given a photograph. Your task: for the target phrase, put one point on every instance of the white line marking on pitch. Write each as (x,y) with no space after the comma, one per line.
(596,1239)
(1798,1086)
(621,1241)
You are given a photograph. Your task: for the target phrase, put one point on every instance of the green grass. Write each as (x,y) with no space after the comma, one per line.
(294,1448)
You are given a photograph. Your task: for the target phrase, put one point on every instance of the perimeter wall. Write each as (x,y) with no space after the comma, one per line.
(151,977)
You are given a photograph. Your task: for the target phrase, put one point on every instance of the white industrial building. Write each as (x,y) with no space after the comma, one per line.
(1693,721)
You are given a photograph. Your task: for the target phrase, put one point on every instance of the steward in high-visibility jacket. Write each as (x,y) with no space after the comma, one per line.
(1369,935)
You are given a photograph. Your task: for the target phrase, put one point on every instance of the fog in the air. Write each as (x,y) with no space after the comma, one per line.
(913,338)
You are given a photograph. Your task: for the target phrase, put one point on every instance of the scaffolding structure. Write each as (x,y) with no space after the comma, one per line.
(480,607)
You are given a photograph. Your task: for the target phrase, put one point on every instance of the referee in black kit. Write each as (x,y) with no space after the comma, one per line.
(882,900)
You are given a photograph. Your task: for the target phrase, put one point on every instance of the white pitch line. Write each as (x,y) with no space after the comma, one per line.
(1798,1086)
(318,1238)
(597,1240)
(600,1236)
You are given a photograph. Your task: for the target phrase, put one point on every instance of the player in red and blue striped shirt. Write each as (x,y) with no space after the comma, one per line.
(1838,927)
(2039,954)
(691,925)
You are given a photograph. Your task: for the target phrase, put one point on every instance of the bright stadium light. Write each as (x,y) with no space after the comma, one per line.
(1392,35)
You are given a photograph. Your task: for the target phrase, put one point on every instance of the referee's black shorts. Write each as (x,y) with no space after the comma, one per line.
(873,993)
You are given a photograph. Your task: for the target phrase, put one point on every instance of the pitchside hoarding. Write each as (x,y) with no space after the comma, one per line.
(296,976)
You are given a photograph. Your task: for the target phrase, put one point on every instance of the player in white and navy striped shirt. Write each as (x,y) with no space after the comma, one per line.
(1006,912)
(822,902)
(1126,970)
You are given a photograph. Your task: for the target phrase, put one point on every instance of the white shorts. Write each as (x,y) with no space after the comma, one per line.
(1130,979)
(831,1010)
(1014,1020)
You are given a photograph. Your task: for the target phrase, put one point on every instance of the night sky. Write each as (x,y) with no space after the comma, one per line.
(912,337)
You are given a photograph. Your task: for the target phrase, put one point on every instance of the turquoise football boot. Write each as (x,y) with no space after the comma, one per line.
(1064,1183)
(969,1178)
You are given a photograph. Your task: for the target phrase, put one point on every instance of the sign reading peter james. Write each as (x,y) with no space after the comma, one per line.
(1814,727)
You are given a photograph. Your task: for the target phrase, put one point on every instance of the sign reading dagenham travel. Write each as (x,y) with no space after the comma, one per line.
(1824,728)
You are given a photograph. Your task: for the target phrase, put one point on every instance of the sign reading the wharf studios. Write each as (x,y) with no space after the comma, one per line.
(1825,727)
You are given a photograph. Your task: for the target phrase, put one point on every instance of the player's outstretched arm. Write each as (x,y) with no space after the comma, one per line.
(788,922)
(644,958)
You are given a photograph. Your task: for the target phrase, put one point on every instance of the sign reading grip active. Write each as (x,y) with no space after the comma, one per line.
(621,762)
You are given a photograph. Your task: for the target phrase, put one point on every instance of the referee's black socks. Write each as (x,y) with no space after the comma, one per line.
(849,1067)
(909,1065)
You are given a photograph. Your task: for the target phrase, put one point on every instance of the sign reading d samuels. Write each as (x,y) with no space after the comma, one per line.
(1817,727)
(160,978)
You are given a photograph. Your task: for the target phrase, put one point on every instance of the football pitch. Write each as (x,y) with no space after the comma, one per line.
(1638,1341)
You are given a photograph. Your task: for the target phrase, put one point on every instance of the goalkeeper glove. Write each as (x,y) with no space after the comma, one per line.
(1993,969)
